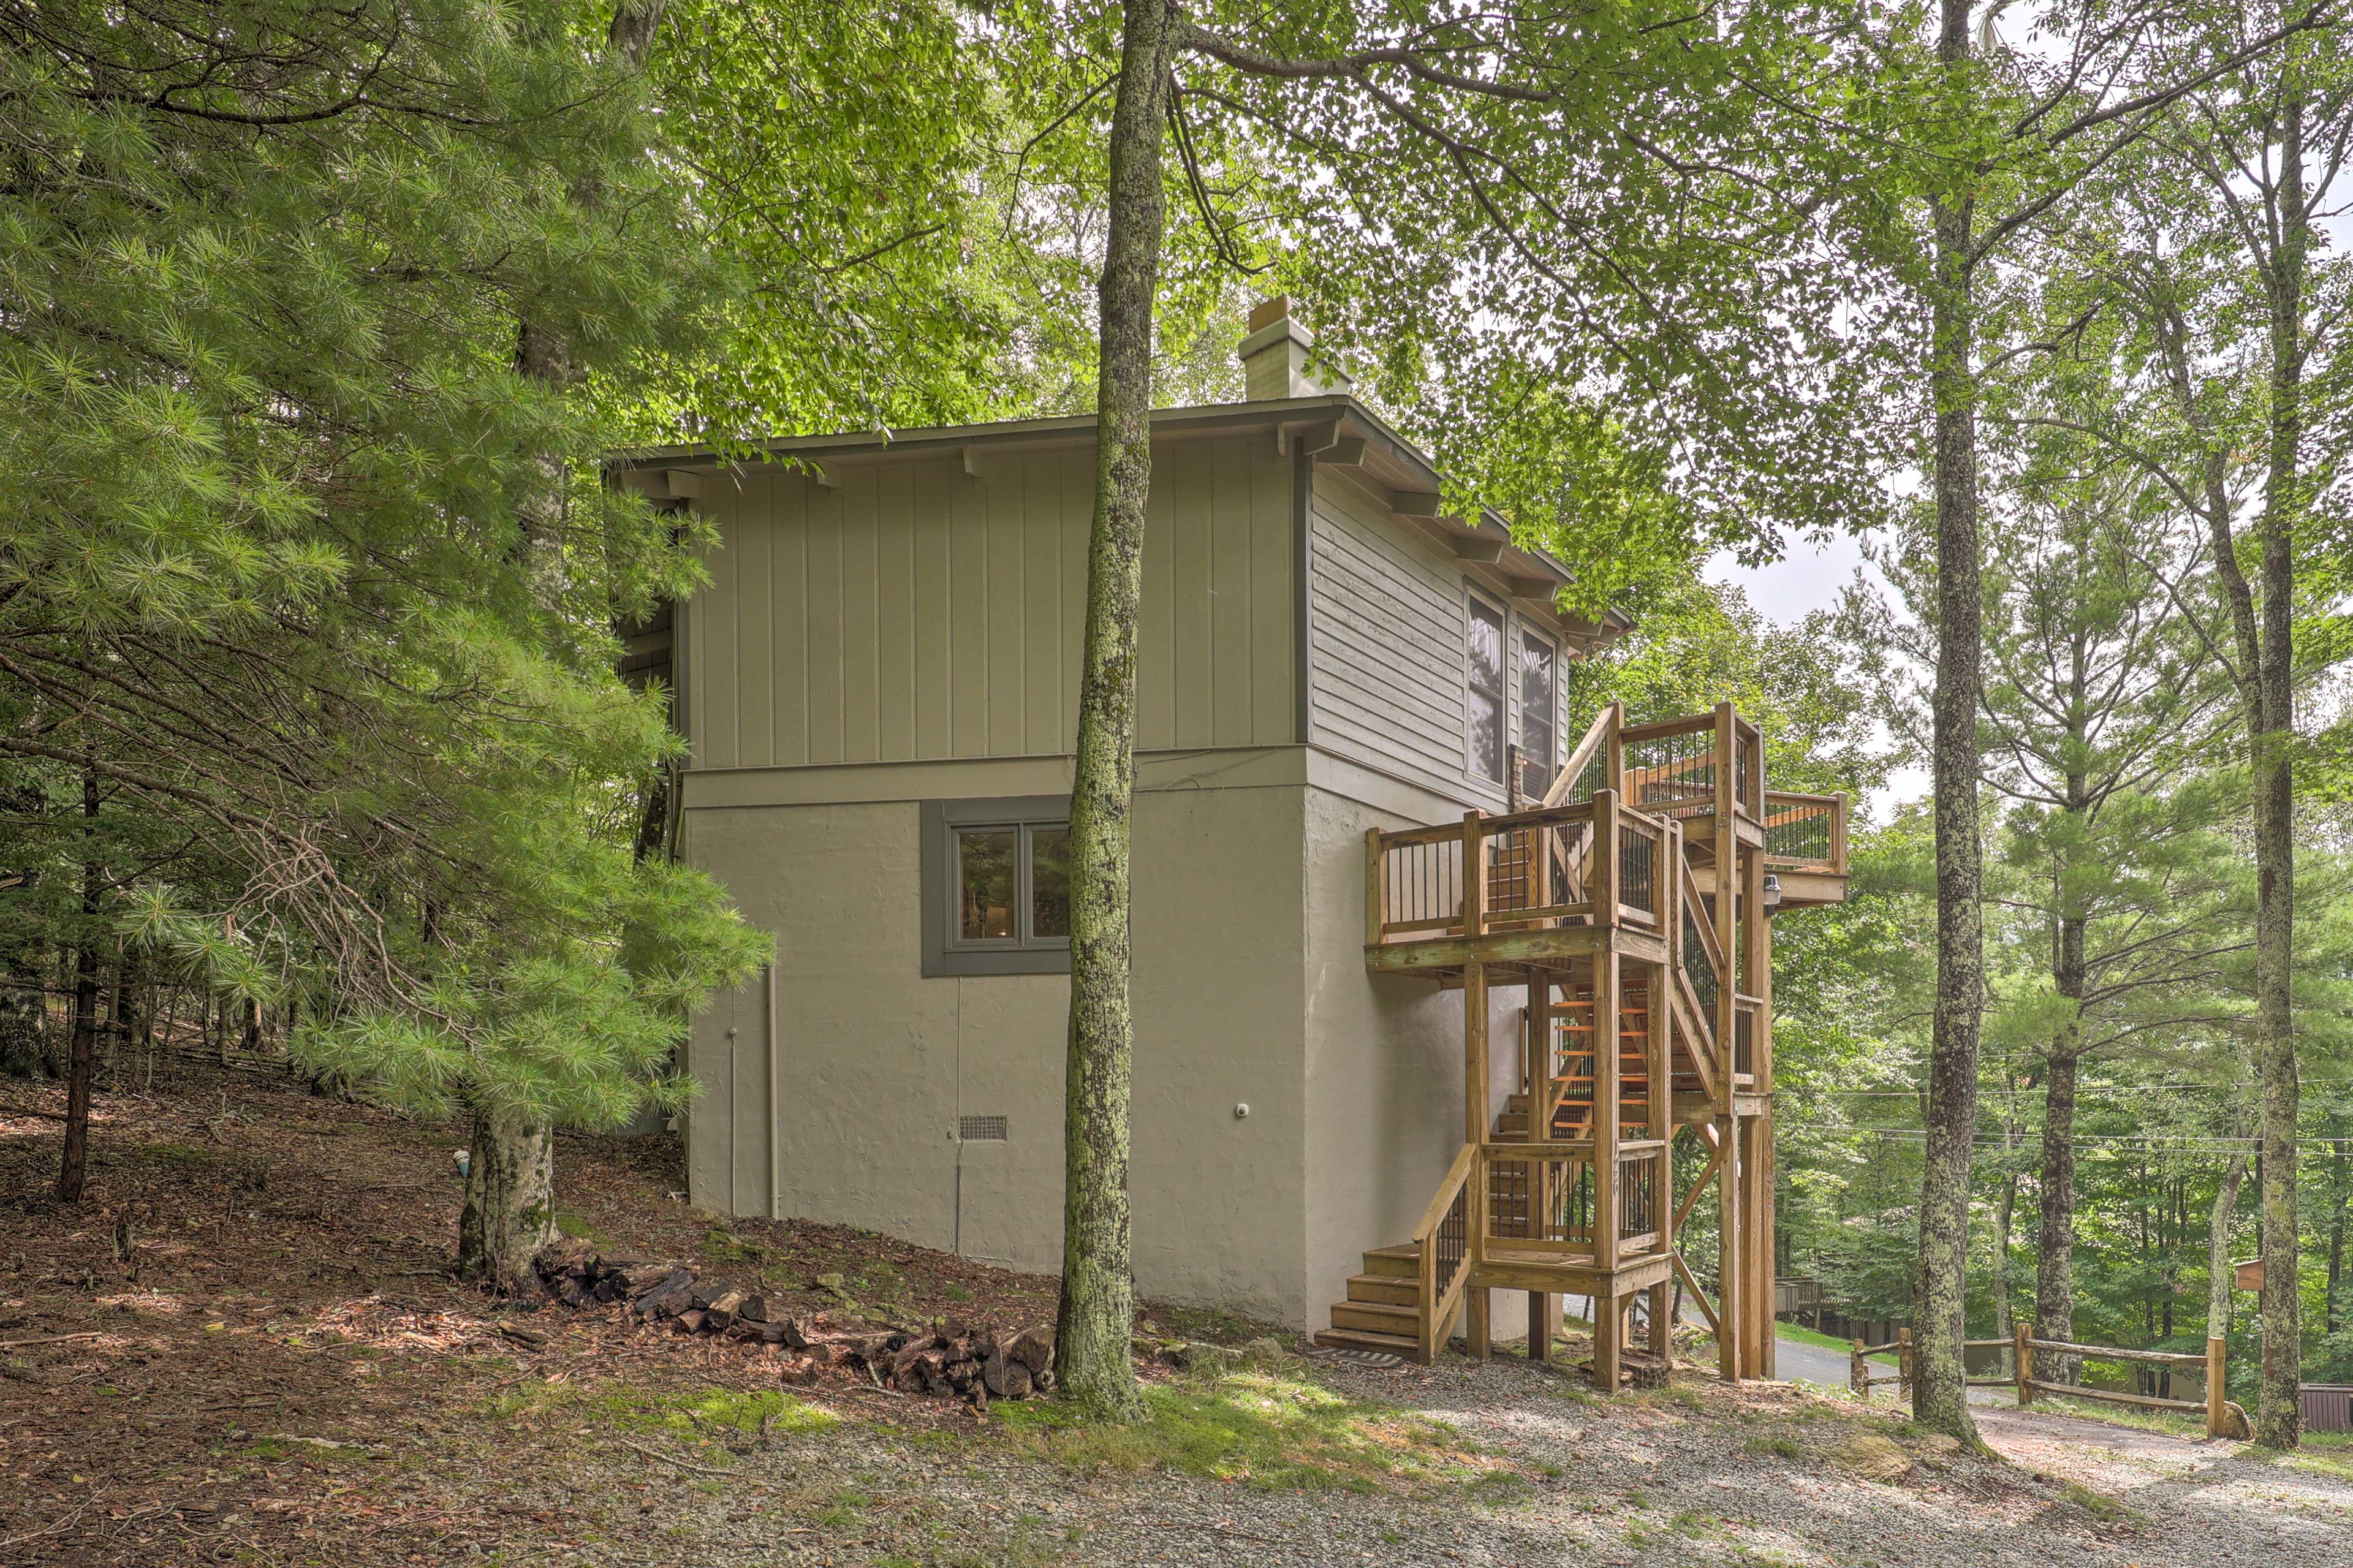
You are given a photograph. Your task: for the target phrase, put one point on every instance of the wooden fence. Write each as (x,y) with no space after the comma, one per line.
(2223,1419)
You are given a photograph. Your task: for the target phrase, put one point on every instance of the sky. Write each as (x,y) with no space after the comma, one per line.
(1810,577)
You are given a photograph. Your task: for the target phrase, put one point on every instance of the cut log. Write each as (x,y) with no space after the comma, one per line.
(690,1321)
(665,1297)
(754,1309)
(638,1275)
(1034,1349)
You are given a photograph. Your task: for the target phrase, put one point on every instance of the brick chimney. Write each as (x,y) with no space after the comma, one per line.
(1275,357)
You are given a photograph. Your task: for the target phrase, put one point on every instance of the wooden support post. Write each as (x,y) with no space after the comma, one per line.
(1903,1361)
(2218,1396)
(1376,888)
(1732,1288)
(1858,1373)
(1474,874)
(1477,1080)
(1606,1002)
(2021,1361)
(1603,877)
(1609,1339)
(1544,1324)
(1475,1075)
(1662,1327)
(1756,1209)
(1613,768)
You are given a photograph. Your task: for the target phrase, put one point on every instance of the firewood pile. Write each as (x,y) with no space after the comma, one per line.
(1637,1369)
(954,1360)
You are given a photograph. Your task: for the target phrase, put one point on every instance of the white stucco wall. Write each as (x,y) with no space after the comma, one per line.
(876,1063)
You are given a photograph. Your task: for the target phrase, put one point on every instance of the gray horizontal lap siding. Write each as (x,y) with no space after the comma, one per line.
(1386,667)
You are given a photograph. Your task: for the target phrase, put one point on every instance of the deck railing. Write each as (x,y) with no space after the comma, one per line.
(1523,870)
(1806,832)
(1641,866)
(1639,1165)
(1540,1196)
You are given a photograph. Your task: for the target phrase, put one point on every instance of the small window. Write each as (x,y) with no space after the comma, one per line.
(1484,706)
(1538,695)
(1013,885)
(997,885)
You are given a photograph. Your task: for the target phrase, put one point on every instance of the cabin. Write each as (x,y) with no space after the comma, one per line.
(1398,932)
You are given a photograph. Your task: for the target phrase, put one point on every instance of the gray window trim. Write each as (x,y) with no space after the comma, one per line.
(1471,763)
(1525,628)
(940,819)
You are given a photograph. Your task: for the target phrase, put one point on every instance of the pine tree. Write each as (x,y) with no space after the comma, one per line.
(261,267)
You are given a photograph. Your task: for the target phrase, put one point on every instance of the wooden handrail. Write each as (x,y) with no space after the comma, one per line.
(1553,1149)
(1435,1215)
(1663,728)
(1596,734)
(1705,924)
(1540,816)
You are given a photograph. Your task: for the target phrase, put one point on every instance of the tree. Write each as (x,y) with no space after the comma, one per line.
(1492,151)
(2232,319)
(1982,143)
(266,586)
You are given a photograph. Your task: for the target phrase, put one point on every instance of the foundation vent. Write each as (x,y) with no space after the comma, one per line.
(980,1129)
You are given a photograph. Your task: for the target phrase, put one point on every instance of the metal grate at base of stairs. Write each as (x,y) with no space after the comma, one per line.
(1353,1356)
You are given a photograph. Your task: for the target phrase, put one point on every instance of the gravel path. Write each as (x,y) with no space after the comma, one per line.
(1696,1476)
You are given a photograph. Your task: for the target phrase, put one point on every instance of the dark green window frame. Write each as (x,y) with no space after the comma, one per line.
(948,949)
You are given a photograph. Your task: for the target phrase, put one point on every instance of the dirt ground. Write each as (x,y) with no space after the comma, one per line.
(243,1346)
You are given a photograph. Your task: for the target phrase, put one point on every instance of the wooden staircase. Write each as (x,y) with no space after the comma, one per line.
(1380,1313)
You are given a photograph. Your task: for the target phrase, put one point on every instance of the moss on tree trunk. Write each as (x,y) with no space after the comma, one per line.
(1939,1389)
(510,1213)
(1097,1309)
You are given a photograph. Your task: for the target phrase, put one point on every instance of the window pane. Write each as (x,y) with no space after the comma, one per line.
(985,885)
(1487,735)
(1486,649)
(1049,881)
(1536,701)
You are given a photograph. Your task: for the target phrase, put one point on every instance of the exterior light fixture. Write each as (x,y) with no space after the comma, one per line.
(1772,892)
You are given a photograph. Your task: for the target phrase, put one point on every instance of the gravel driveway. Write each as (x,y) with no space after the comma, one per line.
(1699,1475)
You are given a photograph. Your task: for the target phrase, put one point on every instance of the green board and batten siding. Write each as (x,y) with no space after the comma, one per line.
(915,611)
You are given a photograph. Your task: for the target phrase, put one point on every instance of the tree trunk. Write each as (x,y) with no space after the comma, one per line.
(2005,1208)
(2329,1314)
(1939,1389)
(2218,1247)
(1098,1298)
(510,1213)
(73,1165)
(2054,1252)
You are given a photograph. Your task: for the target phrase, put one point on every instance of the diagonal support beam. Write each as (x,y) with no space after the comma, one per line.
(1707,1309)
(1706,1174)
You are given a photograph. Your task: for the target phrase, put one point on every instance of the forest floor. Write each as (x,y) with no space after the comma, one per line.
(244,1347)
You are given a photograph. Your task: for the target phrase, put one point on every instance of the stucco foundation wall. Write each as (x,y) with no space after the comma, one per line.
(1385,1066)
(876,1063)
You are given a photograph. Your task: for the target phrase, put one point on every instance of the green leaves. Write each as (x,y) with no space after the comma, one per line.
(263,573)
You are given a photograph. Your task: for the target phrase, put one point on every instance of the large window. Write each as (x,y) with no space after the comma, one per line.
(997,885)
(1484,703)
(1538,696)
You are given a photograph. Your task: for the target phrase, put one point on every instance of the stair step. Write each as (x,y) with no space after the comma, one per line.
(1376,1317)
(1396,1290)
(1360,1340)
(1402,1261)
